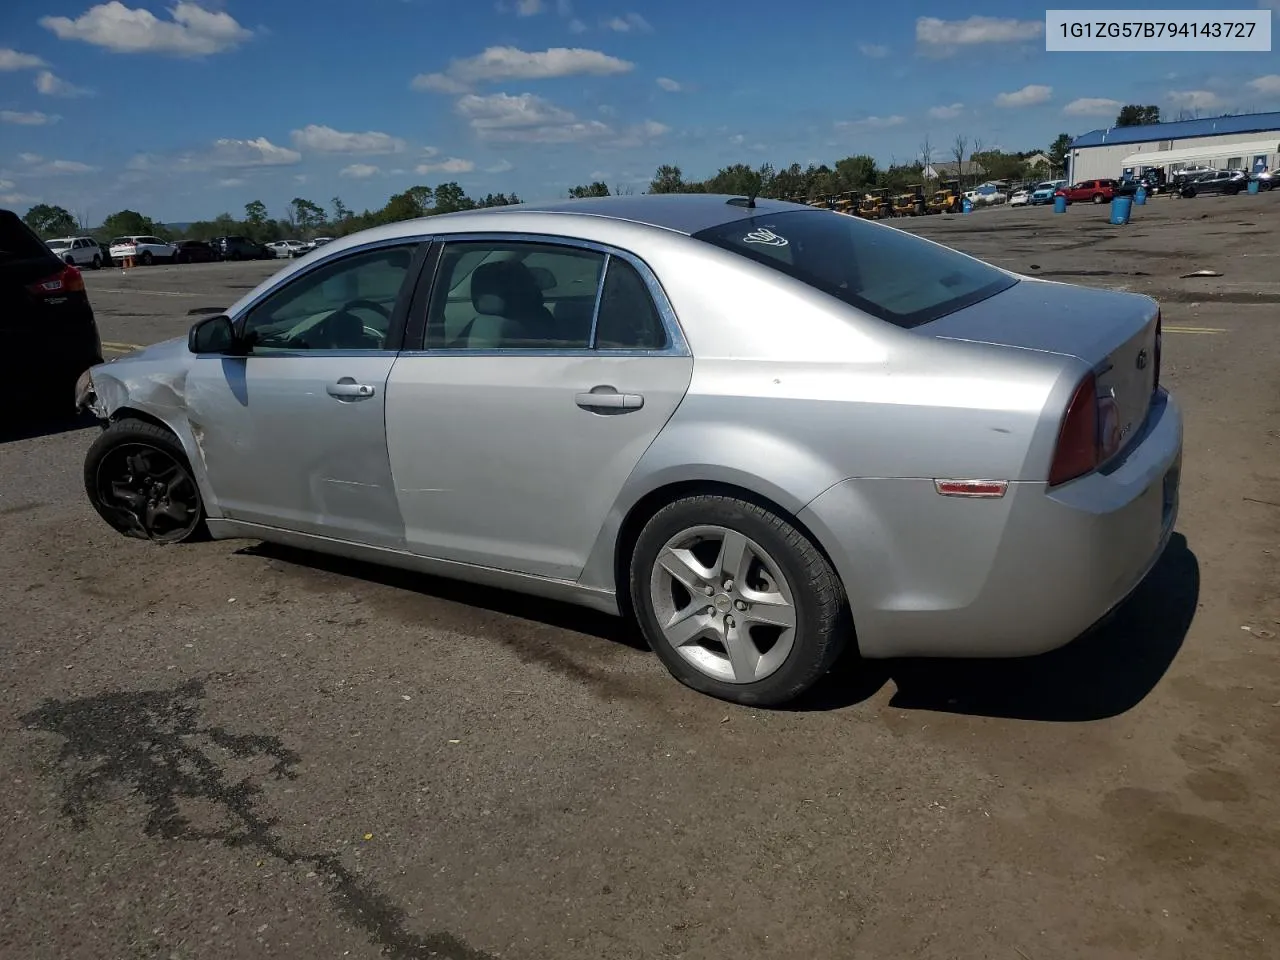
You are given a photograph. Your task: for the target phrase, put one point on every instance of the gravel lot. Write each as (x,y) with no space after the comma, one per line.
(231,750)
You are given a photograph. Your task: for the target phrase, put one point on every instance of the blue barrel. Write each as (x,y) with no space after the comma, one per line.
(1121,207)
(1059,204)
(1253,186)
(966,206)
(1140,197)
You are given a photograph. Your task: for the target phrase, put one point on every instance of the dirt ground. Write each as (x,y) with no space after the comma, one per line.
(231,750)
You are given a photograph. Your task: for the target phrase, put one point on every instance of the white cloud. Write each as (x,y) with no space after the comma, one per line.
(451,165)
(528,8)
(1028,96)
(11,59)
(53,86)
(299,178)
(564,8)
(6,184)
(32,118)
(37,164)
(193,31)
(872,123)
(227,152)
(1196,100)
(1268,85)
(669,85)
(947,112)
(13,199)
(502,166)
(737,139)
(358,171)
(875,51)
(324,139)
(948,34)
(231,182)
(629,22)
(511,63)
(1092,107)
(525,118)
(577,26)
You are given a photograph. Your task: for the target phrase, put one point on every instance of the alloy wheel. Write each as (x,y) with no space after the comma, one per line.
(723,604)
(150,493)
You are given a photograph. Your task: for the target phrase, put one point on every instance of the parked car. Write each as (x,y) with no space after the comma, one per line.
(78,251)
(1044,191)
(47,324)
(320,242)
(143,250)
(287,248)
(1090,191)
(1020,198)
(1266,179)
(241,248)
(629,428)
(196,251)
(1229,182)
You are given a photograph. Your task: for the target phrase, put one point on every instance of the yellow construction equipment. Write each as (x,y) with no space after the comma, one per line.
(946,199)
(846,203)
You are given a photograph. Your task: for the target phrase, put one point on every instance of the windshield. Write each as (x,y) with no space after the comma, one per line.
(882,271)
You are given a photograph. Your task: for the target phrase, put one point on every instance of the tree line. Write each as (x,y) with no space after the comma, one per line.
(305,219)
(302,218)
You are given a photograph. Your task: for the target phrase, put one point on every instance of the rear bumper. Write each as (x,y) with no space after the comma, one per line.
(935,576)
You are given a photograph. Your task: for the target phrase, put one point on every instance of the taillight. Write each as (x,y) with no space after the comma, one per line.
(1155,379)
(68,281)
(1078,442)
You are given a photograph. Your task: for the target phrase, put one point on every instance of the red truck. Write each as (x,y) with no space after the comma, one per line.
(1093,191)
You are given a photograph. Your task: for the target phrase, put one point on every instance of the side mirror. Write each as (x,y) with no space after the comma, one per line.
(215,335)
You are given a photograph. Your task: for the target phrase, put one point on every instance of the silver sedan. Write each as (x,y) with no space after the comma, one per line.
(762,430)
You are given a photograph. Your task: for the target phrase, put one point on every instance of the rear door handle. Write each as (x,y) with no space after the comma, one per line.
(348,389)
(608,399)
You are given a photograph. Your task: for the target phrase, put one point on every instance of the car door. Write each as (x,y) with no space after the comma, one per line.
(293,433)
(547,369)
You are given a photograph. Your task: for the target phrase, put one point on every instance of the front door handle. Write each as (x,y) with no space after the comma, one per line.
(348,389)
(607,398)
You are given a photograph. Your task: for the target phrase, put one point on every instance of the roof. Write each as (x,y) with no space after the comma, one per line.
(682,212)
(1179,129)
(1232,148)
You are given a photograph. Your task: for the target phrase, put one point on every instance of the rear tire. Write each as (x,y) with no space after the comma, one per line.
(97,262)
(140,482)
(1098,198)
(775,619)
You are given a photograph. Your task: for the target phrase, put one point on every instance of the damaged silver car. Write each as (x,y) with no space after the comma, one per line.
(754,426)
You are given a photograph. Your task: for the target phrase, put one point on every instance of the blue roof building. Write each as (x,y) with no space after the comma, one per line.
(1246,141)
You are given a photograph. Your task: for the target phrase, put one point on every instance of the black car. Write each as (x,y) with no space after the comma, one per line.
(47,325)
(241,248)
(1229,182)
(196,251)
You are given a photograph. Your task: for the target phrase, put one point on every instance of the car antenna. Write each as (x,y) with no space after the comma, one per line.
(748,201)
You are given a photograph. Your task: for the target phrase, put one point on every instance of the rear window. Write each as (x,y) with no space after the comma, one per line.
(18,241)
(882,271)
(122,242)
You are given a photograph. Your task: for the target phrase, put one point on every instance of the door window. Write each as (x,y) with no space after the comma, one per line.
(628,318)
(344,305)
(504,295)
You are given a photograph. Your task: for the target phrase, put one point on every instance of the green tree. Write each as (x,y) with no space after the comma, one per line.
(1058,151)
(857,172)
(130,223)
(307,215)
(498,200)
(997,165)
(739,179)
(50,221)
(1135,115)
(667,179)
(596,189)
(341,214)
(450,198)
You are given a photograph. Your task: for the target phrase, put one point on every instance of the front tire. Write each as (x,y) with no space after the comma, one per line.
(1098,198)
(146,259)
(138,478)
(97,262)
(735,601)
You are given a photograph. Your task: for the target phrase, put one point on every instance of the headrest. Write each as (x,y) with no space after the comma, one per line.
(504,289)
(544,278)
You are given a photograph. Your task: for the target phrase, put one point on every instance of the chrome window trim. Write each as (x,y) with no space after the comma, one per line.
(677,346)
(595,308)
(324,261)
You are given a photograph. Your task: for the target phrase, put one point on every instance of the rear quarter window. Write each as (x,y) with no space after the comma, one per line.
(882,271)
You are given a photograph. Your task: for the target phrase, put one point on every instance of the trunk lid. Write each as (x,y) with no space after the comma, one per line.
(1114,333)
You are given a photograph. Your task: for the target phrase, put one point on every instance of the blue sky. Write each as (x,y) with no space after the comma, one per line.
(185,109)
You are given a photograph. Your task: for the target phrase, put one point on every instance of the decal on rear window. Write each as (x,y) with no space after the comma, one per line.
(766,236)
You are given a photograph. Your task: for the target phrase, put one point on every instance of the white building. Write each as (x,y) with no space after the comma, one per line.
(1248,142)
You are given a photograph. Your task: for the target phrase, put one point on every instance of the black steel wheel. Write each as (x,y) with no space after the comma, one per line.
(138,479)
